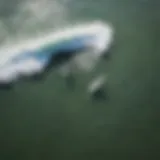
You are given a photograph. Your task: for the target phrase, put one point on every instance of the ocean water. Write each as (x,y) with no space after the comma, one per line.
(48,121)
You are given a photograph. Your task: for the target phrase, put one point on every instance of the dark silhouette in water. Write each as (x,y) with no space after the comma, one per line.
(100,95)
(6,86)
(56,61)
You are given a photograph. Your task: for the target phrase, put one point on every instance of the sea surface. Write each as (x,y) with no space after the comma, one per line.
(49,121)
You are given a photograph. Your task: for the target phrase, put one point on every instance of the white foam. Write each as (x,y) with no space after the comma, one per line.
(96,84)
(100,30)
(82,29)
(12,72)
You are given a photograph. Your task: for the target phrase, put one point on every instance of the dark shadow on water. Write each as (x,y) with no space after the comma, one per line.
(100,95)
(6,87)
